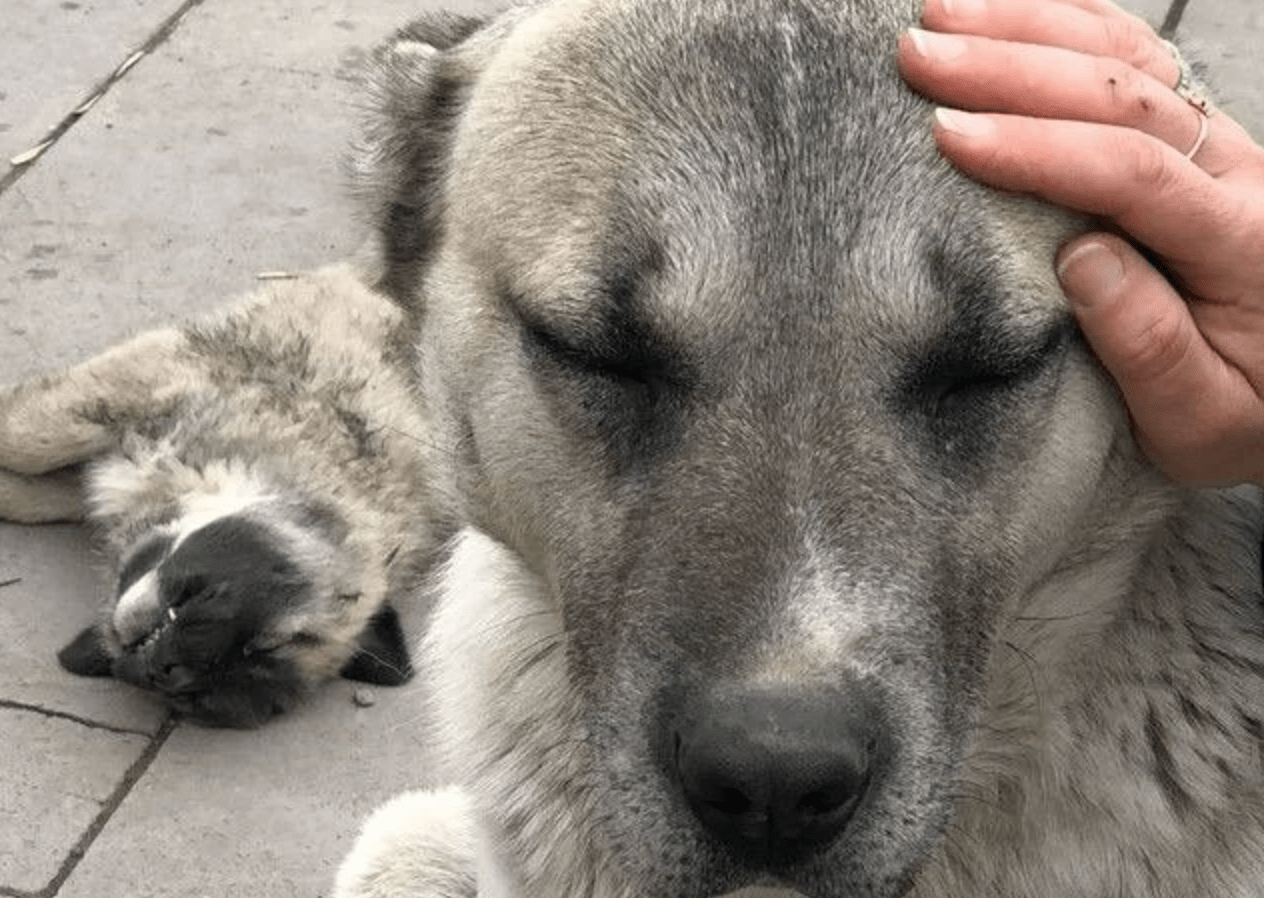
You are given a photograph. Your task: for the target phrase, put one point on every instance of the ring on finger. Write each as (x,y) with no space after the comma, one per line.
(1187,89)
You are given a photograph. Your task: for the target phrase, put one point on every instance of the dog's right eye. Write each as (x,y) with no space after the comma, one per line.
(615,387)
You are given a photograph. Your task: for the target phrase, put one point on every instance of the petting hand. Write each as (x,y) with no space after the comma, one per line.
(1075,101)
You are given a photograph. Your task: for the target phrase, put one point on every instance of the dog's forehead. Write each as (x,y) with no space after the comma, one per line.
(763,154)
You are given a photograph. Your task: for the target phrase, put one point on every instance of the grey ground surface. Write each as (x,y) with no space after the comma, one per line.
(213,157)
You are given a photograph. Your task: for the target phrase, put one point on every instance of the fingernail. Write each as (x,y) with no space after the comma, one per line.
(965,124)
(1090,274)
(933,45)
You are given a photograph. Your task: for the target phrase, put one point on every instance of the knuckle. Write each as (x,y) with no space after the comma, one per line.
(1148,163)
(1134,42)
(1157,348)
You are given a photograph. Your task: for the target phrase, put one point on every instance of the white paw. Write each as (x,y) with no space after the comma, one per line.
(417,845)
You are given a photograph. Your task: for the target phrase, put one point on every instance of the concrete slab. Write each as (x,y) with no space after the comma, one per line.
(1229,35)
(58,588)
(52,55)
(216,158)
(50,796)
(268,812)
(1153,11)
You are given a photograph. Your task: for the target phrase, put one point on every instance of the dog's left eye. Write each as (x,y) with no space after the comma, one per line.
(958,391)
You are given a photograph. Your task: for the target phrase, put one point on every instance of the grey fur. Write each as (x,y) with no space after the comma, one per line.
(260,490)
(742,388)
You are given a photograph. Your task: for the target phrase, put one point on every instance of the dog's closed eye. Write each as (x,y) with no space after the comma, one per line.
(958,387)
(621,382)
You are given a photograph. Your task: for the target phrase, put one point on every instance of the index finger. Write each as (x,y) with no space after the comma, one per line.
(1150,190)
(1093,27)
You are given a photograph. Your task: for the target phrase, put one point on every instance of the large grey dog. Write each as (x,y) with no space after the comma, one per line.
(254,479)
(807,551)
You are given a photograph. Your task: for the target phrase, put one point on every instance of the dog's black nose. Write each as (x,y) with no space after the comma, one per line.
(774,775)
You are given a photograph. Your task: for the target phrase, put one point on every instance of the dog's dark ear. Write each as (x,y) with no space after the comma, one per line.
(382,657)
(417,84)
(86,655)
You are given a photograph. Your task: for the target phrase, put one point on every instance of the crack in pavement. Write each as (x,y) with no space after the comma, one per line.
(24,162)
(131,777)
(7,704)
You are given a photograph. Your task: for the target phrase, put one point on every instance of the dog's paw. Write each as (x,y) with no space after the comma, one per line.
(418,845)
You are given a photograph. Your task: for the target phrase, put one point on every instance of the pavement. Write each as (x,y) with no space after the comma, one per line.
(168,152)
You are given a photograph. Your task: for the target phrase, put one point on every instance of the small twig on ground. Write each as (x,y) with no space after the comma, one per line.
(4,583)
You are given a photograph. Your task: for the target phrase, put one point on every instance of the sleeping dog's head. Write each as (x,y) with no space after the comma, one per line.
(233,617)
(773,421)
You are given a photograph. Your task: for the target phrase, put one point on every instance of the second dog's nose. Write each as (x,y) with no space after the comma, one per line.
(774,775)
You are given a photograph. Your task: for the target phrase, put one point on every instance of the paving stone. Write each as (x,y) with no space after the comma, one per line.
(56,777)
(1229,36)
(1153,11)
(268,812)
(52,55)
(59,587)
(219,156)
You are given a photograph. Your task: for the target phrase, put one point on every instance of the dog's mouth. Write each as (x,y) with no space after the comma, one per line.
(146,641)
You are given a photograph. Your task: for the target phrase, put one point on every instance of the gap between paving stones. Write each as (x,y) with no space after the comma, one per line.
(27,160)
(1172,20)
(130,778)
(10,705)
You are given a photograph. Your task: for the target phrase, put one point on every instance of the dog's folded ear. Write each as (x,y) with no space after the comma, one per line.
(86,655)
(382,656)
(417,83)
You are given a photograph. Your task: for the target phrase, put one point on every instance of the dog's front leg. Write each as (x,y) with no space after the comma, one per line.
(41,499)
(50,424)
(418,845)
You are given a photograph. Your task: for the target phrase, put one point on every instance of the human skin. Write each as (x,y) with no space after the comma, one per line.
(1073,101)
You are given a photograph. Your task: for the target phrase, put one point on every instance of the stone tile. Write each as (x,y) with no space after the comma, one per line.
(1229,36)
(217,157)
(58,591)
(268,812)
(53,54)
(56,777)
(1153,11)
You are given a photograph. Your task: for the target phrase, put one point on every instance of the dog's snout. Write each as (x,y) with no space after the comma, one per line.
(775,776)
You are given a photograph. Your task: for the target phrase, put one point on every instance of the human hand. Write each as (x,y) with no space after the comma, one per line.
(1073,101)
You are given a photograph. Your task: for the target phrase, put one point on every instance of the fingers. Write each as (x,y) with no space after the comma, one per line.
(1092,27)
(1149,189)
(1195,415)
(986,75)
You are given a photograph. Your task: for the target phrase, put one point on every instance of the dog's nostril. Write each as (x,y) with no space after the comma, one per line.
(775,777)
(730,801)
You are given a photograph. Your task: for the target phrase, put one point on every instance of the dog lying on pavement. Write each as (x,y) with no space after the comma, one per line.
(806,550)
(255,480)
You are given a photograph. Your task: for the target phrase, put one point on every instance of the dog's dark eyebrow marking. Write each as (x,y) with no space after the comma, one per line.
(143,560)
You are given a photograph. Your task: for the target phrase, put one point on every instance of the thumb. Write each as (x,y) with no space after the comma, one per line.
(1142,331)
(1136,322)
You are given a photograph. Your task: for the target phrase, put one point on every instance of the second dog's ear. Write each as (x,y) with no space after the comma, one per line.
(86,655)
(417,83)
(382,656)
